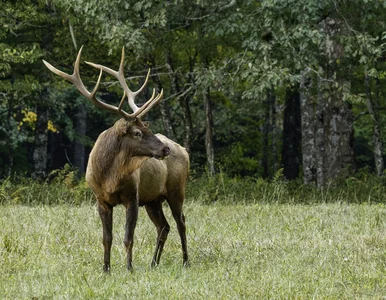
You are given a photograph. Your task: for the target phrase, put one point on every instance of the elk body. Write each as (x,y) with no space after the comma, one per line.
(130,165)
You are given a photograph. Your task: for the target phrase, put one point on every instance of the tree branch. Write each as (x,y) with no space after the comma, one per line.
(217,10)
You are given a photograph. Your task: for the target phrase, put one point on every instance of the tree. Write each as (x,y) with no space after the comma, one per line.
(217,62)
(373,107)
(308,127)
(31,31)
(184,29)
(291,45)
(24,36)
(291,150)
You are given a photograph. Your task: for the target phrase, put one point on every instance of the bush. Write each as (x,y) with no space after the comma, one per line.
(222,188)
(64,187)
(364,188)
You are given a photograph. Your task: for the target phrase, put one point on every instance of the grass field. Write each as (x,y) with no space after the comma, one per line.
(255,251)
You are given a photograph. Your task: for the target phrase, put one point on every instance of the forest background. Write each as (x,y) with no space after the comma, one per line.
(253,89)
(281,105)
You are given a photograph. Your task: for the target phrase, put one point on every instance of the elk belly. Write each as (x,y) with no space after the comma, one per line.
(153,175)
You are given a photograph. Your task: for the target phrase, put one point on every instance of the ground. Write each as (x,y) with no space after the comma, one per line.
(335,251)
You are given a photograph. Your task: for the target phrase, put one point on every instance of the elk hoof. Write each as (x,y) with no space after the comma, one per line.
(153,263)
(106,269)
(130,268)
(186,264)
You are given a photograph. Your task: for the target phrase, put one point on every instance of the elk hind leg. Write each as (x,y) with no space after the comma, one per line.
(175,202)
(155,212)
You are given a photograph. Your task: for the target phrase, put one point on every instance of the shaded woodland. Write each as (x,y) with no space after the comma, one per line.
(251,88)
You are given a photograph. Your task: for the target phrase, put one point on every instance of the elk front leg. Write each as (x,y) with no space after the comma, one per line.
(106,215)
(131,222)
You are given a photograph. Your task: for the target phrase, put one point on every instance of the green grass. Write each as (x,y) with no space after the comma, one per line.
(252,251)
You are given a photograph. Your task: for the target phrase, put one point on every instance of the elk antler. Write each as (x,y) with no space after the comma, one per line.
(130,94)
(77,81)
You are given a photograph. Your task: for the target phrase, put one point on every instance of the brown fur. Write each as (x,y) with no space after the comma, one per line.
(121,170)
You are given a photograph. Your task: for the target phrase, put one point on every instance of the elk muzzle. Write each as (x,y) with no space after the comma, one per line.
(165,151)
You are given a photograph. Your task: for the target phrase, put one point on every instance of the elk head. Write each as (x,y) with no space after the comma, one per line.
(131,131)
(138,140)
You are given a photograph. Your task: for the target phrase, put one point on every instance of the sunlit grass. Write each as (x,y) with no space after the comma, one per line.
(237,251)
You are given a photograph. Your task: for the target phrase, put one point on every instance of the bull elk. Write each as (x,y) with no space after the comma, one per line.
(130,165)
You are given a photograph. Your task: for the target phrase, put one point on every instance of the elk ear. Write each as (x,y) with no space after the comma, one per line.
(136,121)
(146,124)
(127,127)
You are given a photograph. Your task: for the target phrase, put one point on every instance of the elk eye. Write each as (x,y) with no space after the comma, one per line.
(137,133)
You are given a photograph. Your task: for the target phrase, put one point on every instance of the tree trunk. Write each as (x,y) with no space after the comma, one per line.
(166,119)
(373,107)
(164,105)
(10,142)
(339,130)
(291,150)
(41,140)
(209,132)
(165,114)
(272,104)
(10,162)
(184,100)
(80,133)
(308,123)
(188,125)
(266,130)
(320,146)
(338,118)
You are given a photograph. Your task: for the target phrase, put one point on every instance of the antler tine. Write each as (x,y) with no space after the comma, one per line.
(66,76)
(121,78)
(146,104)
(123,99)
(151,104)
(144,84)
(119,75)
(77,81)
(75,77)
(131,99)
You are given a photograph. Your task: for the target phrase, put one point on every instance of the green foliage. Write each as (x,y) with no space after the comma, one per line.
(23,37)
(111,24)
(364,188)
(63,189)
(236,49)
(238,161)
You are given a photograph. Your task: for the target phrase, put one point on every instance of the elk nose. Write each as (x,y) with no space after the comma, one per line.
(166,151)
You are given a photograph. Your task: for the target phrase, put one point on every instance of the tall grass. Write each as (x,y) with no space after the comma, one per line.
(31,192)
(249,251)
(247,238)
(364,188)
(66,189)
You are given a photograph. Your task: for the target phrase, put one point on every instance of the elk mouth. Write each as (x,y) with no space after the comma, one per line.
(165,152)
(159,157)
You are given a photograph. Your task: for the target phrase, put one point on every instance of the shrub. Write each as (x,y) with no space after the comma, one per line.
(65,187)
